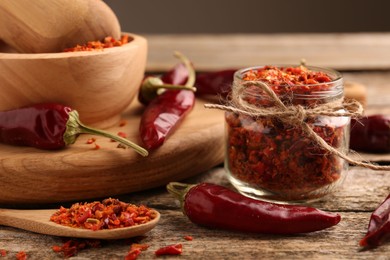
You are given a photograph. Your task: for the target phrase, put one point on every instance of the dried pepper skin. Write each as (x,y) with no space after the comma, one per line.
(41,126)
(371,134)
(215,206)
(165,111)
(163,115)
(215,83)
(379,226)
(49,126)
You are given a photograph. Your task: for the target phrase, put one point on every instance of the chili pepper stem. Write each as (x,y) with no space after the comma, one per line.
(191,72)
(74,127)
(170,86)
(179,190)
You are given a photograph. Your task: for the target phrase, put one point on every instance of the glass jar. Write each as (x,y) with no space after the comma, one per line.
(272,160)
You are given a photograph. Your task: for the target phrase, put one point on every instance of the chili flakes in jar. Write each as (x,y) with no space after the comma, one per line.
(269,159)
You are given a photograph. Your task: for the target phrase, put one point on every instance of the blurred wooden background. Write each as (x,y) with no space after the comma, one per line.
(251,16)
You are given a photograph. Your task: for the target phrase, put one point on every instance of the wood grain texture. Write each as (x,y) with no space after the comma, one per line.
(28,175)
(212,52)
(362,192)
(38,221)
(41,26)
(100,85)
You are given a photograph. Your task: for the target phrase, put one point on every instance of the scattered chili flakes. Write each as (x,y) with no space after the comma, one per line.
(188,238)
(91,140)
(135,251)
(108,214)
(107,42)
(122,146)
(97,147)
(122,134)
(72,247)
(21,255)
(176,249)
(3,252)
(122,123)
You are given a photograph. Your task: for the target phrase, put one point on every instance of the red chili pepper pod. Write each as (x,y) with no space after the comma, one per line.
(379,226)
(167,110)
(215,83)
(163,115)
(371,134)
(175,79)
(49,126)
(215,206)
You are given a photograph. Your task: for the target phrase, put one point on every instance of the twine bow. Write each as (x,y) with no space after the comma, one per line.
(296,115)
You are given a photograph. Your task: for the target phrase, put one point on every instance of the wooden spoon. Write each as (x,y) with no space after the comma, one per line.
(50,26)
(39,221)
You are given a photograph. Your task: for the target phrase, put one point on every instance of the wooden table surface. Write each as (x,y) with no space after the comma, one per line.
(363,58)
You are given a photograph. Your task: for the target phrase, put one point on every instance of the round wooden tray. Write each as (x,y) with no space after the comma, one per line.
(79,172)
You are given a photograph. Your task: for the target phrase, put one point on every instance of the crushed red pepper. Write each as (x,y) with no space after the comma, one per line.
(72,246)
(188,238)
(268,154)
(107,42)
(176,249)
(135,251)
(3,252)
(91,140)
(21,255)
(108,214)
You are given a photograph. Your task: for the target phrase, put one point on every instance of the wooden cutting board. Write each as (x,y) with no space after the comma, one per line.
(80,172)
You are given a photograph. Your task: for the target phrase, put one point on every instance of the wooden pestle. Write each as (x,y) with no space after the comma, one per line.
(42,26)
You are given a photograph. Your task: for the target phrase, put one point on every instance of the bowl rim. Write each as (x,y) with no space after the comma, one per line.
(136,40)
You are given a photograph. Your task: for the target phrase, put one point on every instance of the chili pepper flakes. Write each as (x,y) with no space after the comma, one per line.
(21,255)
(176,249)
(135,251)
(72,246)
(107,42)
(108,214)
(91,140)
(267,154)
(3,252)
(188,238)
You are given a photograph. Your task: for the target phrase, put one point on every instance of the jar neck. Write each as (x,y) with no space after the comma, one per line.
(307,95)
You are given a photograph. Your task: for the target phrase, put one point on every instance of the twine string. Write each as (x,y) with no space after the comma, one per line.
(296,115)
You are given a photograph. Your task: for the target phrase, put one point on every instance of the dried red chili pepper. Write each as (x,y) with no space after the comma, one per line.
(371,134)
(170,250)
(49,126)
(108,214)
(379,226)
(215,206)
(166,111)
(3,252)
(214,83)
(175,79)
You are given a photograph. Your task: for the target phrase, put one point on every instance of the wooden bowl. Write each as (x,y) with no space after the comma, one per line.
(98,84)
